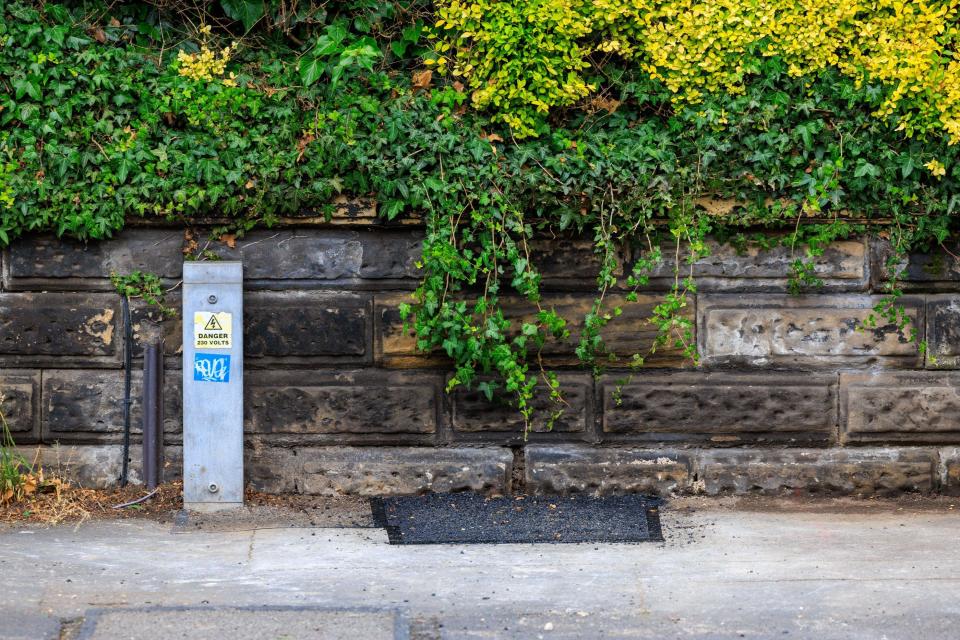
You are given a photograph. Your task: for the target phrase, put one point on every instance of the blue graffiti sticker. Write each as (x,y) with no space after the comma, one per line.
(211,367)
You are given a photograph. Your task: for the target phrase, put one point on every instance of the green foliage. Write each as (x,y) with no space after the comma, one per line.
(146,286)
(335,53)
(98,121)
(518,58)
(14,468)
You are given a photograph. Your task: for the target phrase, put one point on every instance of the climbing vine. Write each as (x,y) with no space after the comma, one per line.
(644,127)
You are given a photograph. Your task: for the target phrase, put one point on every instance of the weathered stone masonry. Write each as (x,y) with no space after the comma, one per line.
(790,395)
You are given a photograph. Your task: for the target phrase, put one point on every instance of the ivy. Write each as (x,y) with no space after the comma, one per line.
(146,286)
(250,112)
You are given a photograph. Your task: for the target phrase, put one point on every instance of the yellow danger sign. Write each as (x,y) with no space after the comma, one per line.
(212,330)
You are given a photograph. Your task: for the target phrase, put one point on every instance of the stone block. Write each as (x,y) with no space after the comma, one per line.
(807,330)
(20,407)
(842,267)
(938,270)
(147,320)
(317,402)
(348,212)
(325,255)
(625,335)
(307,324)
(394,346)
(379,471)
(50,263)
(563,469)
(949,470)
(63,328)
(313,325)
(943,332)
(569,263)
(273,469)
(473,413)
(722,408)
(391,255)
(851,472)
(296,254)
(99,466)
(904,406)
(87,405)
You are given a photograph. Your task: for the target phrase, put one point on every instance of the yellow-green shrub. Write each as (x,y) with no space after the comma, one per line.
(522,58)
(518,58)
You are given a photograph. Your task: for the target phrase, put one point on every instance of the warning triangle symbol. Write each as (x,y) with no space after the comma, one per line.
(213,324)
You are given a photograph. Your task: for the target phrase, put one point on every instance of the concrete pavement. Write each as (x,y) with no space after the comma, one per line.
(857,570)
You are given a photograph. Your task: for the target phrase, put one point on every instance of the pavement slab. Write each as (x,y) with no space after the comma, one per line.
(17,625)
(721,572)
(244,623)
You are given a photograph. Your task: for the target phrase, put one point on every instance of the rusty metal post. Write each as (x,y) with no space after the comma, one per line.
(153,412)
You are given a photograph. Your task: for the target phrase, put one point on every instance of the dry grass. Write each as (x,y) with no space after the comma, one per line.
(75,505)
(72,505)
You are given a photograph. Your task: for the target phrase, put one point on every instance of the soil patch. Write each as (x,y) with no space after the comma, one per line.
(75,505)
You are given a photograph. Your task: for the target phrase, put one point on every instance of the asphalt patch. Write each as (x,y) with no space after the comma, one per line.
(470,518)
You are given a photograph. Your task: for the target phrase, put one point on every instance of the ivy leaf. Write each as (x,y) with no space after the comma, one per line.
(864,168)
(247,12)
(392,208)
(26,86)
(907,167)
(329,43)
(337,71)
(126,165)
(310,70)
(487,389)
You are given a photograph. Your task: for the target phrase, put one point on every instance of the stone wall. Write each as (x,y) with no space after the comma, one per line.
(791,394)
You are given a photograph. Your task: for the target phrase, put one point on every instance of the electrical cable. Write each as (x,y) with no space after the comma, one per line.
(138,500)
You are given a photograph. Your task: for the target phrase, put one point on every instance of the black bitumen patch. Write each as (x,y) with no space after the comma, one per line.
(470,518)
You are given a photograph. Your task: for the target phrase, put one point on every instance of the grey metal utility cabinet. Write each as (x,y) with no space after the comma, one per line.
(212,385)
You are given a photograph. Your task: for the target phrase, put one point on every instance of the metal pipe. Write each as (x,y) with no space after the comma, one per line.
(153,413)
(127,360)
